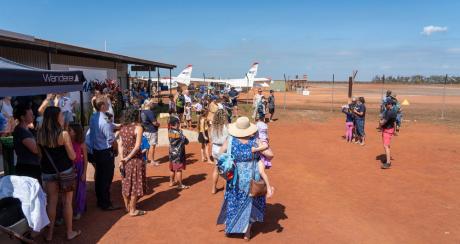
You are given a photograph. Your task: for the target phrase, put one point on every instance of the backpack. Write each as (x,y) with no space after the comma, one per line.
(180,101)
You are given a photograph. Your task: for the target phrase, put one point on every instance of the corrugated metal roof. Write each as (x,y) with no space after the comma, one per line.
(25,41)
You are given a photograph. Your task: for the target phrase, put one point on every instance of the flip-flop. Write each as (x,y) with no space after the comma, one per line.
(77,234)
(138,213)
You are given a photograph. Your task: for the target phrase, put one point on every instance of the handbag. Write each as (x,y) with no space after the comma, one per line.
(66,181)
(257,188)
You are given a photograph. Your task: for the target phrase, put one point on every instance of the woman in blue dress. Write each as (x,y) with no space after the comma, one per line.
(239,210)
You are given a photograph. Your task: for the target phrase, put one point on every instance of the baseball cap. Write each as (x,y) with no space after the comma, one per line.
(173,120)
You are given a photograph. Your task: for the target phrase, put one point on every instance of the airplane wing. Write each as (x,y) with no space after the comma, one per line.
(262,79)
(201,80)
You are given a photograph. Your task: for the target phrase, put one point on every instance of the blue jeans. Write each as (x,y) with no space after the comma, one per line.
(360,127)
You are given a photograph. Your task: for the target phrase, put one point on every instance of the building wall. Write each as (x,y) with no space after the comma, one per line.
(39,59)
(34,58)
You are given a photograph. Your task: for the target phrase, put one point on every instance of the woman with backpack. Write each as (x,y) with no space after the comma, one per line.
(219,134)
(180,104)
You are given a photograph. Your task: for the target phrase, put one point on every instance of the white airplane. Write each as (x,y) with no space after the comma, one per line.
(182,78)
(246,82)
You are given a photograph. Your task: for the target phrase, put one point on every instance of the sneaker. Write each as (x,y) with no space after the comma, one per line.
(385,166)
(77,217)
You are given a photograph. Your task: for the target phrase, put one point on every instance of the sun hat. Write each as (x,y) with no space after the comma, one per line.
(242,128)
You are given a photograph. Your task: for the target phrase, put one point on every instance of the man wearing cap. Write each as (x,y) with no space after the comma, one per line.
(255,103)
(387,123)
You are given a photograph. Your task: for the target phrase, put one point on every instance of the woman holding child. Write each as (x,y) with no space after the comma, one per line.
(239,209)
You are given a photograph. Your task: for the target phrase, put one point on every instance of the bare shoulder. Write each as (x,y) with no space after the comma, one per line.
(63,137)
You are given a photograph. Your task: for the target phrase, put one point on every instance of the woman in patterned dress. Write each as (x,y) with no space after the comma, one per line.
(132,166)
(239,210)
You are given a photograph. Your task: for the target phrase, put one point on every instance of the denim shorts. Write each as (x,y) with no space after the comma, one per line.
(53,177)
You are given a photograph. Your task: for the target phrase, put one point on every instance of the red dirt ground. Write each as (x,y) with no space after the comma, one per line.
(327,191)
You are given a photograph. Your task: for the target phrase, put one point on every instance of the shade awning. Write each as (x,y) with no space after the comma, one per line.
(21,80)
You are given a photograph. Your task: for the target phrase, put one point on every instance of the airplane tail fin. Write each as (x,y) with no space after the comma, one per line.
(185,75)
(252,74)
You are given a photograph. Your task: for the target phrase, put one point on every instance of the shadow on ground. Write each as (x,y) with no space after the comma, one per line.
(188,156)
(159,199)
(274,213)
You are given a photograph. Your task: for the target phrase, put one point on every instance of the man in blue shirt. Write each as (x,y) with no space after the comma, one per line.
(150,125)
(104,147)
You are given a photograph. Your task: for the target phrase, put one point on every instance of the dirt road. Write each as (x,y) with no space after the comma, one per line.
(327,191)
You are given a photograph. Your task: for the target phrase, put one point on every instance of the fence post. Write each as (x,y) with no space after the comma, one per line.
(332,102)
(285,90)
(444,98)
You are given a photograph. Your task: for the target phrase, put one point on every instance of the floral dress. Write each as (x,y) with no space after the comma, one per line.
(134,181)
(239,209)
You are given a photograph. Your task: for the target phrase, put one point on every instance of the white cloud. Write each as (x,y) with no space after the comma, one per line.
(344,53)
(455,50)
(428,30)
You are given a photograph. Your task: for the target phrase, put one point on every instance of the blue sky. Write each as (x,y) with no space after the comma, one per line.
(223,38)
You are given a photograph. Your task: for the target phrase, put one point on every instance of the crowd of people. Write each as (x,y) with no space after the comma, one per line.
(55,151)
(389,123)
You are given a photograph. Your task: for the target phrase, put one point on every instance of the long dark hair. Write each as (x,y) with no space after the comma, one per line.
(78,130)
(50,130)
(131,116)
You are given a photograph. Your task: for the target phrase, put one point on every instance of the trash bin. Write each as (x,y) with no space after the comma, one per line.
(8,154)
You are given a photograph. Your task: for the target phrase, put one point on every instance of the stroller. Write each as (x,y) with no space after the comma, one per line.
(22,209)
(13,223)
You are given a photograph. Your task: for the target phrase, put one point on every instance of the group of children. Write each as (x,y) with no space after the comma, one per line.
(355,119)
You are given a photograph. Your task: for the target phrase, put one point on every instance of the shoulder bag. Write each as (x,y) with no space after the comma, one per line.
(256,188)
(66,181)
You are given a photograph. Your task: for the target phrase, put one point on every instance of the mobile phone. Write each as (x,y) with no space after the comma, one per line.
(122,172)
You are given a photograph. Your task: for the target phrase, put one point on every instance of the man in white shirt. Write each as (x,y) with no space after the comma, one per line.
(187,97)
(66,105)
(255,103)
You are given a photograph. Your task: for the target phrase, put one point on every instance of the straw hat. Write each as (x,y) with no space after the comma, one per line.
(242,128)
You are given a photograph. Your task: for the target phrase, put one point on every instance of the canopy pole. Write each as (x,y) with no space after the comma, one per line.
(82,119)
(158,83)
(149,84)
(170,81)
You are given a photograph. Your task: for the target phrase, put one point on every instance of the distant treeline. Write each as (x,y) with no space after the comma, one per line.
(418,79)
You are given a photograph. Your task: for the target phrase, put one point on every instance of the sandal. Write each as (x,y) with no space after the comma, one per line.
(173,184)
(76,234)
(183,187)
(138,213)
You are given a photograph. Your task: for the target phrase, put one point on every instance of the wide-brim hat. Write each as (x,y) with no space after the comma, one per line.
(242,127)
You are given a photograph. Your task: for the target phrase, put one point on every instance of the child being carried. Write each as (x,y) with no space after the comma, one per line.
(263,147)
